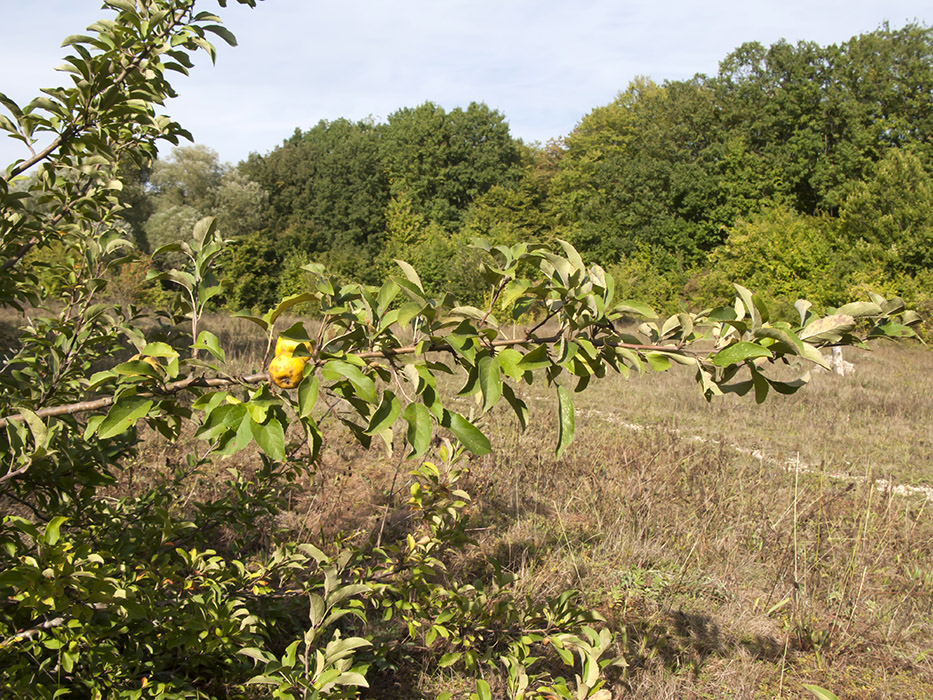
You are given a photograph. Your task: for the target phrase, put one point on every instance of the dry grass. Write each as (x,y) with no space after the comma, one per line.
(726,574)
(732,574)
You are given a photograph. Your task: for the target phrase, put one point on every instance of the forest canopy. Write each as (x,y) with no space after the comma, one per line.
(795,166)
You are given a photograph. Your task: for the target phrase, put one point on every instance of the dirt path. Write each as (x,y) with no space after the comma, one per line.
(786,464)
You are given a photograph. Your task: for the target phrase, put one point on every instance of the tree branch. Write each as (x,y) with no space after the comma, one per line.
(30,633)
(219,382)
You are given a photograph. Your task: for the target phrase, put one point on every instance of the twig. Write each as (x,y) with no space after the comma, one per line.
(219,382)
(30,633)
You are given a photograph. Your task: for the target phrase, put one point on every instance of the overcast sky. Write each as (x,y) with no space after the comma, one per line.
(543,63)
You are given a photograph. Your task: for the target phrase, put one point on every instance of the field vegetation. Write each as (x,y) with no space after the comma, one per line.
(497,477)
(737,550)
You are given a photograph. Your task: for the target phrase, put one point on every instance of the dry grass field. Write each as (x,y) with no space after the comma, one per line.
(737,550)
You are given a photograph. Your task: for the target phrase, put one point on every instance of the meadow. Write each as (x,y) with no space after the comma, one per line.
(737,550)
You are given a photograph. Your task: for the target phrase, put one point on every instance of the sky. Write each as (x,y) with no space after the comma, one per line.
(544,64)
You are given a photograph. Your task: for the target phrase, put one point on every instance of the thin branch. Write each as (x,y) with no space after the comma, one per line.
(19,254)
(30,633)
(547,318)
(219,382)
(495,297)
(16,472)
(74,131)
(47,151)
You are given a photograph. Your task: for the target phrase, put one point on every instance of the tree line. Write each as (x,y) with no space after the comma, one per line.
(798,169)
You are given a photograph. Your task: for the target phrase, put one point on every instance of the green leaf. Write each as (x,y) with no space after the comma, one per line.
(255,654)
(482,690)
(449,659)
(337,370)
(820,693)
(307,395)
(386,415)
(315,438)
(467,433)
(721,313)
(566,420)
(408,311)
(387,293)
(262,323)
(208,341)
(158,349)
(122,415)
(317,610)
(811,353)
(420,428)
(803,309)
(658,361)
(270,437)
(787,341)
(829,329)
(787,388)
(463,345)
(512,291)
(468,312)
(635,307)
(124,5)
(7,125)
(534,360)
(11,105)
(572,255)
(518,406)
(285,305)
(288,660)
(490,381)
(739,352)
(40,434)
(761,386)
(51,534)
(749,303)
(410,273)
(222,32)
(860,308)
(895,330)
(352,678)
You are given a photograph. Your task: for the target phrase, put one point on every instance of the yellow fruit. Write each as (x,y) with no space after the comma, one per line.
(151,361)
(284,345)
(286,370)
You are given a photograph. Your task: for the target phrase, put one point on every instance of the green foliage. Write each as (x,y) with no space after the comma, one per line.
(350,194)
(147,594)
(654,275)
(327,192)
(836,130)
(192,184)
(253,270)
(891,214)
(444,160)
(644,171)
(445,263)
(820,116)
(783,255)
